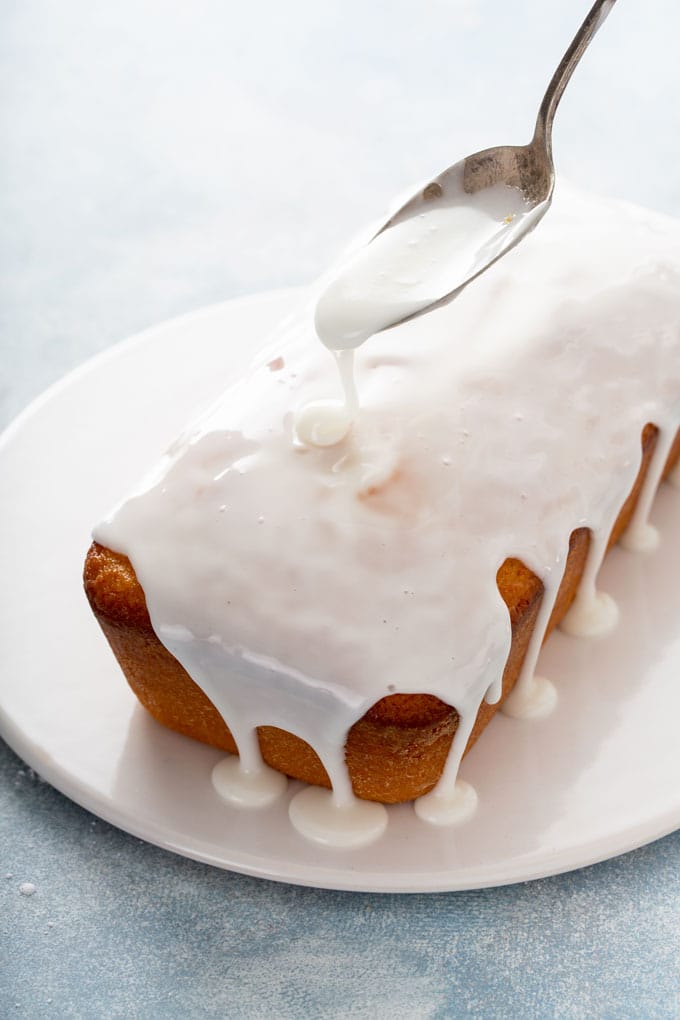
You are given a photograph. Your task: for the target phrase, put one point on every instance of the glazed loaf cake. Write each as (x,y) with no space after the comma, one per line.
(358,614)
(397,750)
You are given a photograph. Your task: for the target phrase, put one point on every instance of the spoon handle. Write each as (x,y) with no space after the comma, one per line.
(560,79)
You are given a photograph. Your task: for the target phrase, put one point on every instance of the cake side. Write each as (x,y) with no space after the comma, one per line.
(397,750)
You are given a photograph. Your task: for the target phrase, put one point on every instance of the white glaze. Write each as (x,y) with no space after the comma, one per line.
(640,535)
(327,422)
(644,537)
(450,807)
(316,816)
(534,699)
(298,586)
(256,789)
(418,260)
(591,615)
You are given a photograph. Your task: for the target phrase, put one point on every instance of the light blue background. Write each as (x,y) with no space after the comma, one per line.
(158,157)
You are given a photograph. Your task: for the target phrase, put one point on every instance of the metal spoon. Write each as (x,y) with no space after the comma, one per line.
(359,302)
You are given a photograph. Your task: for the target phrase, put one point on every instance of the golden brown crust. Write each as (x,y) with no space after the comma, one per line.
(397,750)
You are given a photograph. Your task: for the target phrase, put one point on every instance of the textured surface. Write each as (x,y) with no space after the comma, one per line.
(117,928)
(133,187)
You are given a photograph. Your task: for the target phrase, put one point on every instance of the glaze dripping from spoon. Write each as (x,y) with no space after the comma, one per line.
(426,252)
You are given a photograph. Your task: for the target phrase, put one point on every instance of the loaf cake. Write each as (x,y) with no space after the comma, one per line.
(354,615)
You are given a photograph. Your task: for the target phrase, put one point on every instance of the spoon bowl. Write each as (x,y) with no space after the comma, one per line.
(513,183)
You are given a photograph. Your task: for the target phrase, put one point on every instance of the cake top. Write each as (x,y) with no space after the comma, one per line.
(299,585)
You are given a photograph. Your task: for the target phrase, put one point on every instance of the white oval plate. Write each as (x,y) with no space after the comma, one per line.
(598,777)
